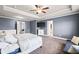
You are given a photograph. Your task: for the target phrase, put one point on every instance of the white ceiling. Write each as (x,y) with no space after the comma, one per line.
(24,13)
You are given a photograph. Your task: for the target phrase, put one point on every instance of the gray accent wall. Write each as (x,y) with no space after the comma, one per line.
(66,26)
(45,28)
(33,25)
(27,26)
(7,24)
(30,27)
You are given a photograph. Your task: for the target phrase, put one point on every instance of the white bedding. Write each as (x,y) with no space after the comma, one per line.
(27,43)
(10,48)
(3,45)
(8,44)
(24,45)
(10,39)
(30,42)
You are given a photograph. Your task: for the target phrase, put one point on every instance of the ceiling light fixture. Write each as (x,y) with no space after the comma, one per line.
(40,9)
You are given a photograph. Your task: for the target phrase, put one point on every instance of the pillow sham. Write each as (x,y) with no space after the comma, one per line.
(10,39)
(75,40)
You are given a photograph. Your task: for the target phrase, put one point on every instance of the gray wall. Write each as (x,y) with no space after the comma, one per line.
(45,28)
(33,25)
(27,26)
(66,26)
(30,27)
(7,24)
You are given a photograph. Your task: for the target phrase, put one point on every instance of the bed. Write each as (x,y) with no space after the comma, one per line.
(18,43)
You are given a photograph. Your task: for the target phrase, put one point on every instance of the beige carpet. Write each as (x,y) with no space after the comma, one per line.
(50,46)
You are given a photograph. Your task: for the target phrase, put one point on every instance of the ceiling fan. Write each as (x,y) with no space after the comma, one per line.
(40,9)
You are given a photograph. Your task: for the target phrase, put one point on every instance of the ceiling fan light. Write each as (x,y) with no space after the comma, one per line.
(39,11)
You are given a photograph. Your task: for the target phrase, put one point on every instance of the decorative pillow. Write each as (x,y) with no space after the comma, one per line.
(24,44)
(76,48)
(71,50)
(68,45)
(10,39)
(10,49)
(75,40)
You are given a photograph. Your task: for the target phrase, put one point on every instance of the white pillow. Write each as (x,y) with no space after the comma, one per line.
(10,48)
(75,40)
(24,44)
(10,38)
(76,47)
(1,39)
(3,45)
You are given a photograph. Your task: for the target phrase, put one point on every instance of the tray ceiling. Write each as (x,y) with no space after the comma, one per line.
(52,12)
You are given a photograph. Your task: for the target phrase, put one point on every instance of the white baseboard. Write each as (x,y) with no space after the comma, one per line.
(56,37)
(60,38)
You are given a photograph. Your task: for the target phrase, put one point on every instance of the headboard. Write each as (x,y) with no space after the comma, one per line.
(8,31)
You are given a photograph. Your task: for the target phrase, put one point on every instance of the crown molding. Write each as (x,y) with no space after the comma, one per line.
(13,10)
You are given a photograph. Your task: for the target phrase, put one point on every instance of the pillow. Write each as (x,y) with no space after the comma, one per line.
(76,47)
(2,36)
(10,49)
(10,39)
(75,40)
(1,39)
(67,46)
(24,44)
(3,45)
(71,50)
(19,36)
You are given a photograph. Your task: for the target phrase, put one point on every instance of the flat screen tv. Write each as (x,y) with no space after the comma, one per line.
(41,24)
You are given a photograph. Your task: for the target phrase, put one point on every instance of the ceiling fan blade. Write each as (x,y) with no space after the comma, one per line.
(36,6)
(44,11)
(32,10)
(45,8)
(36,12)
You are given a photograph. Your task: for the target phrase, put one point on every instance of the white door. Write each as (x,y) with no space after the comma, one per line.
(50,28)
(20,27)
